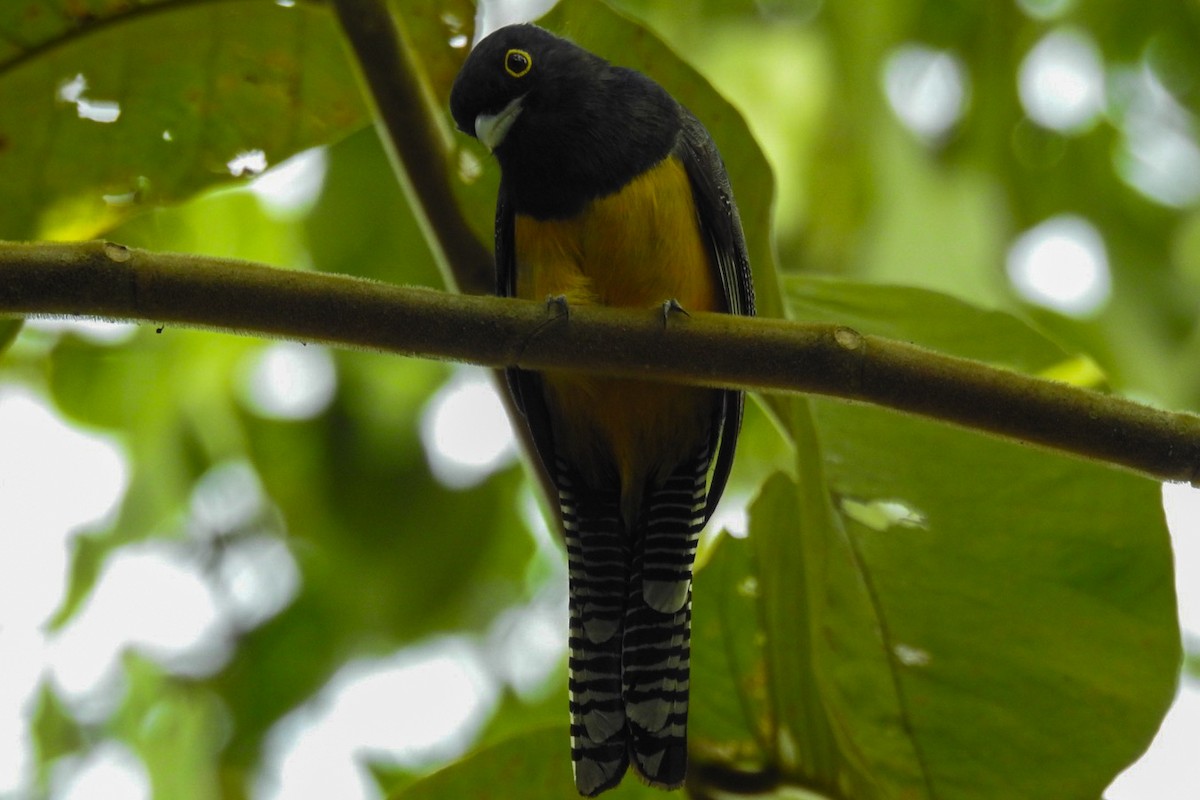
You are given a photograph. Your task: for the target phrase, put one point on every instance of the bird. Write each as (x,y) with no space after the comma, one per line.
(613,193)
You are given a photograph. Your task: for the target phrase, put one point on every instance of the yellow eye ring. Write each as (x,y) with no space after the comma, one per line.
(517,63)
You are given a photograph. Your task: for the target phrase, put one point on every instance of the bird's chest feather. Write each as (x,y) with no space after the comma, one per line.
(637,248)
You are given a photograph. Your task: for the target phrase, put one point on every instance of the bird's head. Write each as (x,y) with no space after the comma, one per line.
(519,78)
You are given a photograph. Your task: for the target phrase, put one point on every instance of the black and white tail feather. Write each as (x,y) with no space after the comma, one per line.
(630,626)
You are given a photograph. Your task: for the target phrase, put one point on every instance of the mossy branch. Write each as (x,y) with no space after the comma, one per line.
(105,280)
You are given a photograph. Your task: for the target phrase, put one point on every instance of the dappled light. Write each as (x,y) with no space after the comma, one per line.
(247,162)
(466,432)
(926,88)
(283,570)
(1159,155)
(1061,81)
(1046,9)
(44,504)
(96,331)
(911,656)
(1182,507)
(110,769)
(85,473)
(71,91)
(731,517)
(150,597)
(287,380)
(1164,772)
(252,573)
(293,187)
(526,645)
(883,515)
(415,708)
(1062,264)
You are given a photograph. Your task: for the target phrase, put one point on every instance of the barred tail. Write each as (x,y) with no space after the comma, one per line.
(658,616)
(598,567)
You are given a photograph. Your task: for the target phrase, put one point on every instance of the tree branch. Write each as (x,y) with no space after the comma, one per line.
(99,279)
(413,136)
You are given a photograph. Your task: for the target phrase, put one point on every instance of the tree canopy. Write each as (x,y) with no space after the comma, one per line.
(905,610)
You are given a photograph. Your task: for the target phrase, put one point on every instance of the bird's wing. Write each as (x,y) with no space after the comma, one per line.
(525,386)
(722,229)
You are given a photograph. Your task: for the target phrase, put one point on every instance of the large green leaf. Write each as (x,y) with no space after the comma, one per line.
(534,766)
(53,732)
(377,239)
(977,619)
(1025,599)
(786,617)
(1026,614)
(9,328)
(174,726)
(176,91)
(923,317)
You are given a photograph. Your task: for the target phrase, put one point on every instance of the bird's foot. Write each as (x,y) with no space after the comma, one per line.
(558,305)
(670,307)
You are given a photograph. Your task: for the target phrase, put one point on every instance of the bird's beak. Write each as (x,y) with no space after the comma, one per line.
(492,128)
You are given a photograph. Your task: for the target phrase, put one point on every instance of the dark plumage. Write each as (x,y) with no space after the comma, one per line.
(611,192)
(566,147)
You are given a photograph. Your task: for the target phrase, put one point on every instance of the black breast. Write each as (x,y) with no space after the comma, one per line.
(592,141)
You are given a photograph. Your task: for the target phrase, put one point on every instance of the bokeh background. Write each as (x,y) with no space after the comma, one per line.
(243,568)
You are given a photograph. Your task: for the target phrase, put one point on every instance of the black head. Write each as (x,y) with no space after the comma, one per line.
(565,125)
(524,69)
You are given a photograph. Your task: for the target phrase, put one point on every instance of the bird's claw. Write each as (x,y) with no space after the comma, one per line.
(559,304)
(670,307)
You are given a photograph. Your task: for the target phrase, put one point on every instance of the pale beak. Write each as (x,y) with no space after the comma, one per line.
(492,128)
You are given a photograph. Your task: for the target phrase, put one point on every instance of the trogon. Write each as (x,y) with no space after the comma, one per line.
(611,192)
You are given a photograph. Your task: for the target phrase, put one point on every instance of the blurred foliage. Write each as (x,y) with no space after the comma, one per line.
(191,85)
(918,611)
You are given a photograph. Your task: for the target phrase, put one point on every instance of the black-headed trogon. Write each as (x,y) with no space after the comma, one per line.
(611,192)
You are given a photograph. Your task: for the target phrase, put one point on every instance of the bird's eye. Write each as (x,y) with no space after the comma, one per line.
(517,63)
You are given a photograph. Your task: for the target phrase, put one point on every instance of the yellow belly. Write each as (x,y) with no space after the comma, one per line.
(639,247)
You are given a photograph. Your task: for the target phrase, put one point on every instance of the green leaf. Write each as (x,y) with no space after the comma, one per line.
(170,93)
(175,728)
(170,394)
(931,319)
(9,328)
(835,726)
(926,612)
(973,608)
(533,766)
(496,772)
(730,719)
(1028,614)
(812,711)
(54,732)
(88,553)
(362,223)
